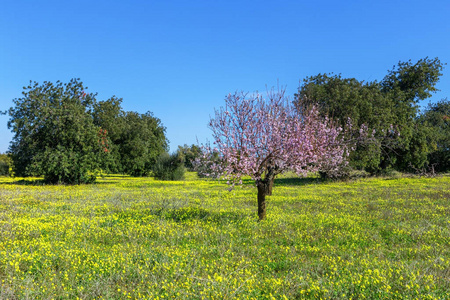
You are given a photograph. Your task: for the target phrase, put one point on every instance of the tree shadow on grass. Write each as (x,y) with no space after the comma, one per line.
(42,182)
(298,181)
(30,182)
(289,181)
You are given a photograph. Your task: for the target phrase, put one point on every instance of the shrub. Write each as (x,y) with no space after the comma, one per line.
(5,165)
(169,167)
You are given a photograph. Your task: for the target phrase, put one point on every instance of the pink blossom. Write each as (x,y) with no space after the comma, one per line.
(253,134)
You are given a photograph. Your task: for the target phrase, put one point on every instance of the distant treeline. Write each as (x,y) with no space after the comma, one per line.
(404,138)
(65,134)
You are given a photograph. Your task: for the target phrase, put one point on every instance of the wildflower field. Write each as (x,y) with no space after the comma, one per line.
(140,238)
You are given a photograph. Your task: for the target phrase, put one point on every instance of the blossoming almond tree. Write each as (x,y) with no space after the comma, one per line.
(262,137)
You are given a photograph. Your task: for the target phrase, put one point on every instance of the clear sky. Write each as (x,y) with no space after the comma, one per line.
(179,59)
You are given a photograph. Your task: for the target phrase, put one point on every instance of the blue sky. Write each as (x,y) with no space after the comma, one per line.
(179,59)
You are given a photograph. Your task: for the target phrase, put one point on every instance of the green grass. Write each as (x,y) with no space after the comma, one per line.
(140,238)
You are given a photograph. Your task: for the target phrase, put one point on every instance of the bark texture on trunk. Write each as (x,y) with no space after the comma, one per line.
(264,189)
(261,201)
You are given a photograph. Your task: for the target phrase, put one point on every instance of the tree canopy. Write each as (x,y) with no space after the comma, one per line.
(137,139)
(66,135)
(389,108)
(262,137)
(189,154)
(436,119)
(54,134)
(142,142)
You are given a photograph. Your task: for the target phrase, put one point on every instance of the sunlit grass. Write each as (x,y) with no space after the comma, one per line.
(140,238)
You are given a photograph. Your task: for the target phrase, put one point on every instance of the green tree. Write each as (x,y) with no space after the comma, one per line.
(136,140)
(347,98)
(110,116)
(388,108)
(54,133)
(436,118)
(406,85)
(190,154)
(141,142)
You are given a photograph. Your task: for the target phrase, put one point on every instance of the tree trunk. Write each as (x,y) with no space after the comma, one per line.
(270,186)
(261,201)
(264,188)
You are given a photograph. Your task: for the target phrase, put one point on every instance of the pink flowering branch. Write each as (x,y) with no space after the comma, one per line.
(262,137)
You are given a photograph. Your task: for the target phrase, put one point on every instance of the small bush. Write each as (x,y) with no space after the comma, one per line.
(169,167)
(5,165)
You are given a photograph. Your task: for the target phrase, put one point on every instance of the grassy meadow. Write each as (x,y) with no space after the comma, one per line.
(128,238)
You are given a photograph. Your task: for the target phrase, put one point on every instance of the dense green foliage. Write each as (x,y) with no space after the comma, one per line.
(388,108)
(136,139)
(5,164)
(190,154)
(66,135)
(138,238)
(109,115)
(343,98)
(54,134)
(143,141)
(436,119)
(169,167)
